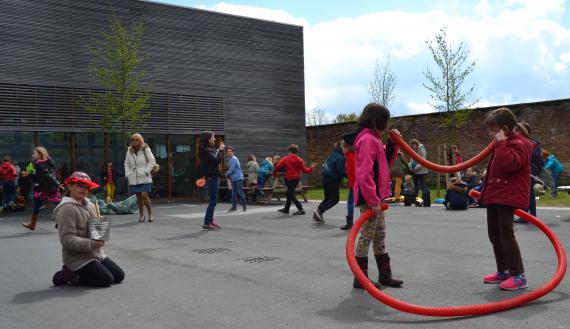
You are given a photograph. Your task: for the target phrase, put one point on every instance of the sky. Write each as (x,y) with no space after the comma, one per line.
(521,47)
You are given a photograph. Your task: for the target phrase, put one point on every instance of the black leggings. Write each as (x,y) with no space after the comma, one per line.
(332,194)
(100,274)
(291,186)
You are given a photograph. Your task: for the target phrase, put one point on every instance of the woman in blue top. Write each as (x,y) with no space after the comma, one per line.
(555,167)
(265,170)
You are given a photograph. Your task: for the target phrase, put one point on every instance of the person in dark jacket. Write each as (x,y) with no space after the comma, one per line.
(46,184)
(506,188)
(536,165)
(293,166)
(456,197)
(210,158)
(334,170)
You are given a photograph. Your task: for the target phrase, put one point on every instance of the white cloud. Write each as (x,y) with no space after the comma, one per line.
(279,15)
(522,52)
(419,108)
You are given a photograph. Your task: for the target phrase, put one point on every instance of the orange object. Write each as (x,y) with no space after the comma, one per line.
(201,182)
(437,167)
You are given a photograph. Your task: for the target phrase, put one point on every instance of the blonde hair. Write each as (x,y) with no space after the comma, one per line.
(139,137)
(269,160)
(42,152)
(408,177)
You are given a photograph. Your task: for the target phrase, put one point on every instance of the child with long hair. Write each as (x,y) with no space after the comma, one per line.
(371,186)
(506,187)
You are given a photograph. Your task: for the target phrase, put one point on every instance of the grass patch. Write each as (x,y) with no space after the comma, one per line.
(563,199)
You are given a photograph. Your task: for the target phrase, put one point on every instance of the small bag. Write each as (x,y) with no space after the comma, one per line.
(201,182)
(155,168)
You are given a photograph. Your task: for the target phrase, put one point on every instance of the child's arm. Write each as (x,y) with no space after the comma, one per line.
(509,158)
(233,167)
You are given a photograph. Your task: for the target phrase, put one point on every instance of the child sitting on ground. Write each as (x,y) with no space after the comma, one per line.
(456,197)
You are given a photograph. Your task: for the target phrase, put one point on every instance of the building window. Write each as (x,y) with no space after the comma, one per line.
(183,153)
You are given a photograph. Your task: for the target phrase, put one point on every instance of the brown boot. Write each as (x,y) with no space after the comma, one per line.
(363,264)
(32,224)
(385,276)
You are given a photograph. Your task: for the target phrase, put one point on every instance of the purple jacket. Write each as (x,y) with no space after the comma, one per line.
(370,151)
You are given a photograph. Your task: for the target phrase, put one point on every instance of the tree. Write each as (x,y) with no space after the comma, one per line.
(446,87)
(117,67)
(381,88)
(315,117)
(342,118)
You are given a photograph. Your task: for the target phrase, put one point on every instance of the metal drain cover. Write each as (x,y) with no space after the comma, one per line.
(261,259)
(210,250)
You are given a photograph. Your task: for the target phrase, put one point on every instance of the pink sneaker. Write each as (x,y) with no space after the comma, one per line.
(215,224)
(496,277)
(515,282)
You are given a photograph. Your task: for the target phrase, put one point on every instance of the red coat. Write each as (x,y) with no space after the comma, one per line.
(351,168)
(508,174)
(293,165)
(8,172)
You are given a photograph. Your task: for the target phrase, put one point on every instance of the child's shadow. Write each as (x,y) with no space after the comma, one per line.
(36,296)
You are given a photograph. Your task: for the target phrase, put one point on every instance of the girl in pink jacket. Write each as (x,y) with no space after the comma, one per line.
(372,185)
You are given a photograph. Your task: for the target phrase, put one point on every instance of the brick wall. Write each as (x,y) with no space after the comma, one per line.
(550,123)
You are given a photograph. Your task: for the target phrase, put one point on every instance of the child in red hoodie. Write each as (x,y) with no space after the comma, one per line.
(506,187)
(8,175)
(294,166)
(372,185)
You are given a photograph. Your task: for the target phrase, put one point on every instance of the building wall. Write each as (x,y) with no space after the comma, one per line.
(550,124)
(241,77)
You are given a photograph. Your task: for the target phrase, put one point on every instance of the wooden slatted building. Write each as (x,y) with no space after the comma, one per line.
(240,77)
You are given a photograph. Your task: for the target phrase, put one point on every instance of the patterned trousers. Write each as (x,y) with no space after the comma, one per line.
(374,231)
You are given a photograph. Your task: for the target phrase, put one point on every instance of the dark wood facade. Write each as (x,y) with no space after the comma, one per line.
(240,77)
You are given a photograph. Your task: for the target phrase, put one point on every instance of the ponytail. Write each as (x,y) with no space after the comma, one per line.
(522,129)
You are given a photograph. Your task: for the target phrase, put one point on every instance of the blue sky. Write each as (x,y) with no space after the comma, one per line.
(522,47)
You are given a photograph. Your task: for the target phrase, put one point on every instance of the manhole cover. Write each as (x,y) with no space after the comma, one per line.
(210,250)
(259,259)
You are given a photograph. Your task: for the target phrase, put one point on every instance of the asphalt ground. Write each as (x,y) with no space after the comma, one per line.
(269,270)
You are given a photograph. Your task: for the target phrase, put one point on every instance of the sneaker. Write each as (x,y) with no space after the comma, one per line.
(62,277)
(496,277)
(232,209)
(318,216)
(515,282)
(209,227)
(300,212)
(215,224)
(283,211)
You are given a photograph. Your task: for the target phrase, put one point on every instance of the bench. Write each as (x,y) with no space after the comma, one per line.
(278,190)
(564,189)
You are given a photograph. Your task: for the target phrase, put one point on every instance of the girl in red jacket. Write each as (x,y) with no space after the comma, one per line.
(506,187)
(294,166)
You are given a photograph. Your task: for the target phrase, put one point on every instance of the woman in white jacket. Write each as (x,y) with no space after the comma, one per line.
(139,163)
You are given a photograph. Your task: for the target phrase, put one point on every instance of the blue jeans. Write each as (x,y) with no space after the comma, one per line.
(9,190)
(350,203)
(212,184)
(261,179)
(556,179)
(237,188)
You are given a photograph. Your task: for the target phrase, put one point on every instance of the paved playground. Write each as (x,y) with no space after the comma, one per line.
(268,270)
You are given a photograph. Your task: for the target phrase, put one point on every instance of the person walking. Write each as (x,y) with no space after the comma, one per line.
(419,171)
(334,170)
(8,175)
(139,164)
(252,175)
(293,166)
(84,261)
(350,165)
(210,159)
(236,176)
(109,176)
(46,185)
